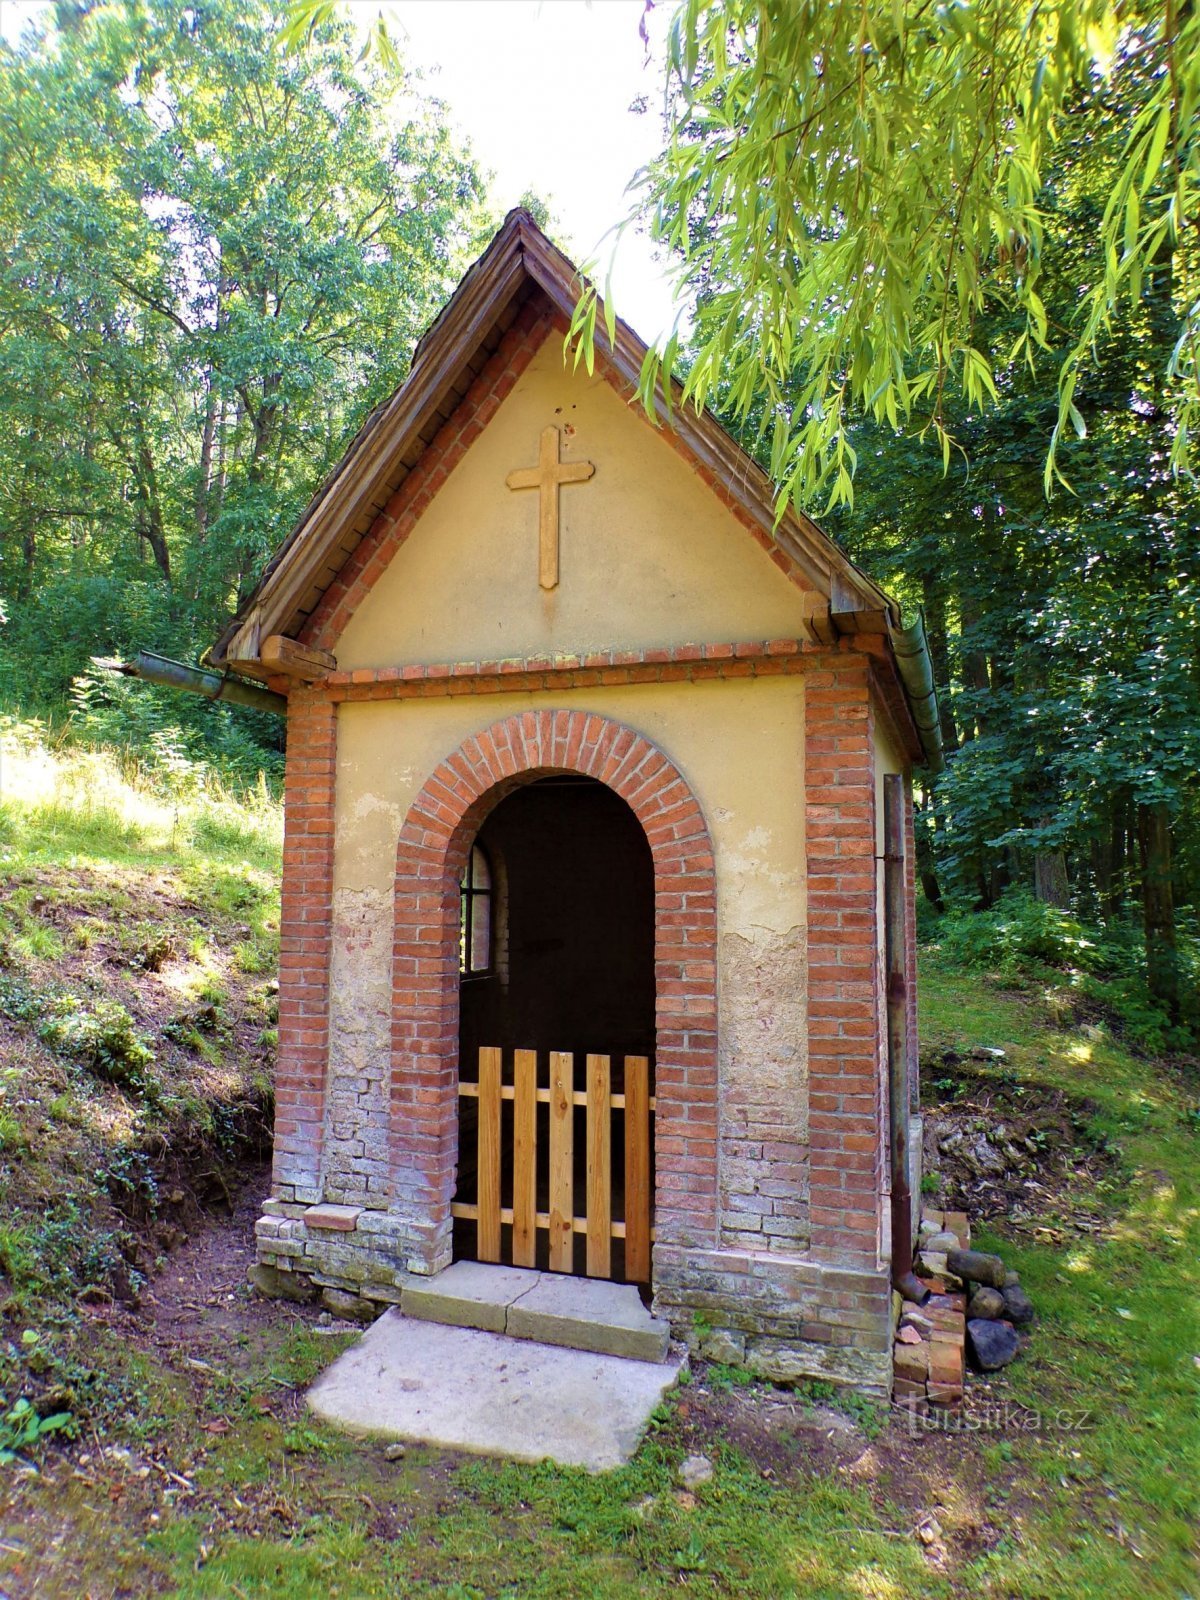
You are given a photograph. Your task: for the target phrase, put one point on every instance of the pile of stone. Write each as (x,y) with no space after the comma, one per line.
(976,1307)
(997,1307)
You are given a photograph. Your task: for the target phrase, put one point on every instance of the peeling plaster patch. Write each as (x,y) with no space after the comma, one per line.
(355,1153)
(764,1091)
(366,805)
(761,897)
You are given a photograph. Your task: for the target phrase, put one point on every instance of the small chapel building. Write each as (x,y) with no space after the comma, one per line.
(585,961)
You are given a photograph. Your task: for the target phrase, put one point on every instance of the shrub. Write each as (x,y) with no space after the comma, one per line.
(105,1039)
(1019,935)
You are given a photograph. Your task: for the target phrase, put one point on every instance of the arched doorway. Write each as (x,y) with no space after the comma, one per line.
(557,959)
(432,852)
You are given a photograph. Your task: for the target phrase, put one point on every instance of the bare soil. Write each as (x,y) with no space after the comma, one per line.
(1019,1157)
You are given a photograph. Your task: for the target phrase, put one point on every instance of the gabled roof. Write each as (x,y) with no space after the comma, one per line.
(519,263)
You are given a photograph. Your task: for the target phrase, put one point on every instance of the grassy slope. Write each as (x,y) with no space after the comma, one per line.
(1100,1500)
(1114,1508)
(280,1507)
(138,935)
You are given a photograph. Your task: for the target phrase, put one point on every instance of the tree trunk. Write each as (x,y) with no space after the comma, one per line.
(204,482)
(1158,905)
(939,654)
(151,523)
(1050,878)
(974,671)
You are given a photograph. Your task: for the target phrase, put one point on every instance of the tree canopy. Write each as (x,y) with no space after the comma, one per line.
(847,192)
(930,259)
(217,257)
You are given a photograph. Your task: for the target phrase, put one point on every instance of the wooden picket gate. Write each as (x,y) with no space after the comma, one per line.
(560,1219)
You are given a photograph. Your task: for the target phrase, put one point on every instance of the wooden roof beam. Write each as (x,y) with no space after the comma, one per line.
(290,659)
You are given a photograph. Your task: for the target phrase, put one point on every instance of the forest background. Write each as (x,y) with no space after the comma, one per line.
(216,255)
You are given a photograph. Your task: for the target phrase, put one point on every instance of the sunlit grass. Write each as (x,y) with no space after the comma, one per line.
(61,801)
(1118,1322)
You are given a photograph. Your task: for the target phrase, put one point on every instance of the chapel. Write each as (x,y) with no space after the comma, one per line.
(597,937)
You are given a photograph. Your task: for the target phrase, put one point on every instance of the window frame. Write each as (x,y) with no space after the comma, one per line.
(469,894)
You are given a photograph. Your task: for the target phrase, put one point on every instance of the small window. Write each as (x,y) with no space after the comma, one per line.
(475,921)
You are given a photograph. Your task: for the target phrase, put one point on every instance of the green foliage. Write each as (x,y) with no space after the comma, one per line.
(103,1036)
(846,191)
(22,1429)
(1023,938)
(1018,936)
(198,307)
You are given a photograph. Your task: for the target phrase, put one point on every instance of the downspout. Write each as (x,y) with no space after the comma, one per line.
(154,668)
(894,919)
(910,649)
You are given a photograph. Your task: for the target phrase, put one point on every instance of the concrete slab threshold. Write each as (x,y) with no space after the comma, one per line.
(469,1389)
(577,1313)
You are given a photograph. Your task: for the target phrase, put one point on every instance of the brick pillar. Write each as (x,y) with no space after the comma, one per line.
(304,945)
(845,1132)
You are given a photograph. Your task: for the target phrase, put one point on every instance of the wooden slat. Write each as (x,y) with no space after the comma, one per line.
(507,1092)
(524,1233)
(469,1213)
(562,1161)
(599,1167)
(488,1244)
(637,1169)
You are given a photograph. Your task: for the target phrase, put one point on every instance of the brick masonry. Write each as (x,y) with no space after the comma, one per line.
(433,845)
(771,1204)
(769,1238)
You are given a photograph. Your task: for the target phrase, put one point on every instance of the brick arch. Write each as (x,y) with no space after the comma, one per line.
(434,841)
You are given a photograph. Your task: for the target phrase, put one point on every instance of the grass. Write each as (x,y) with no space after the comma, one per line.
(60,803)
(1113,1368)
(133,1047)
(167,907)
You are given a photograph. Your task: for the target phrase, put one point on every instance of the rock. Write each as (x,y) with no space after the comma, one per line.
(278,1285)
(929,1531)
(993,1344)
(908,1335)
(986,1305)
(976,1266)
(926,1229)
(393,1452)
(940,1242)
(932,1263)
(982,1158)
(695,1470)
(985,1052)
(1018,1306)
(352,1306)
(918,1321)
(721,1345)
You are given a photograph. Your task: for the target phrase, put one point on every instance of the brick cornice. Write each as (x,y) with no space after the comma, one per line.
(654,664)
(691,662)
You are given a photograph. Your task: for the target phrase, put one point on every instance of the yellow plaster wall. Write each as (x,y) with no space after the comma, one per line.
(648,555)
(739,744)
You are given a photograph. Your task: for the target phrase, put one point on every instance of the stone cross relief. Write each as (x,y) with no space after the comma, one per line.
(547,478)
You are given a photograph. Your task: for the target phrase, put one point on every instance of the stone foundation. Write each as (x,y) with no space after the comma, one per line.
(782,1318)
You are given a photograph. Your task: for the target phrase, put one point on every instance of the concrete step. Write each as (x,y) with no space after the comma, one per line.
(548,1307)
